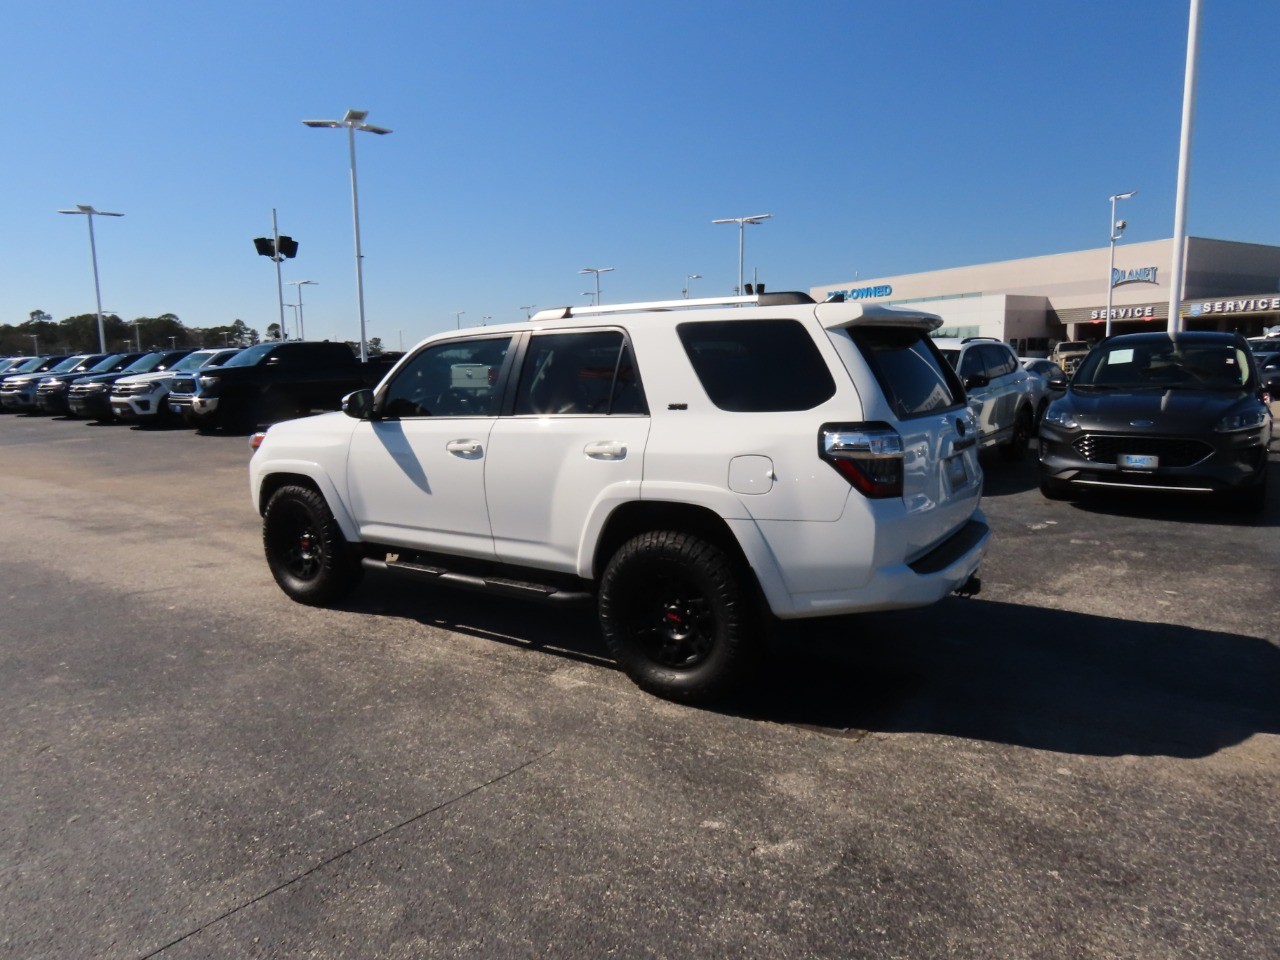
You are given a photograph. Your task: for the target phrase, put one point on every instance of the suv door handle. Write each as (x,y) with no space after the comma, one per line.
(467,449)
(606,450)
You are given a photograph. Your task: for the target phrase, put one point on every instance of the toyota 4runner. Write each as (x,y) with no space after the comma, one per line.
(688,465)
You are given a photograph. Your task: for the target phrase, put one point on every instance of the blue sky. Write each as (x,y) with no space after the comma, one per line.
(534,139)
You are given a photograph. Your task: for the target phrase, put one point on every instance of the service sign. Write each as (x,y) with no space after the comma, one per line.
(1250,305)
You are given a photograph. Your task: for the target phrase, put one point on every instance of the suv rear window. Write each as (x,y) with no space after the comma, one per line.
(757,366)
(910,370)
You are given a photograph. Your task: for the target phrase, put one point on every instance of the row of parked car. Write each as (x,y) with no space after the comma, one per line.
(225,387)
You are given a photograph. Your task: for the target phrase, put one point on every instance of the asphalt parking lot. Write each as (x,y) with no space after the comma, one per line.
(1080,762)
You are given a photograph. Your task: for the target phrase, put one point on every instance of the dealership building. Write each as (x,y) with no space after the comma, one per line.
(1035,302)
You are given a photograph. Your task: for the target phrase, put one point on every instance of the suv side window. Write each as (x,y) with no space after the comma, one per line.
(972,364)
(999,361)
(578,374)
(452,379)
(757,366)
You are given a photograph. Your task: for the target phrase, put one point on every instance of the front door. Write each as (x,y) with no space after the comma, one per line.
(417,473)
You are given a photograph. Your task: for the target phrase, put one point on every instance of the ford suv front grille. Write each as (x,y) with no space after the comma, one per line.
(1172,451)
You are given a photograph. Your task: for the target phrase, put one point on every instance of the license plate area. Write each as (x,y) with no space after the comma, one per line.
(957,472)
(1137,461)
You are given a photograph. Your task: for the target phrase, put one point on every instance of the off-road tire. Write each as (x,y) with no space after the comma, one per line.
(306,552)
(1023,428)
(678,616)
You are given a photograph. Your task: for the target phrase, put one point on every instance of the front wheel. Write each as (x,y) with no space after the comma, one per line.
(676,614)
(308,556)
(1052,489)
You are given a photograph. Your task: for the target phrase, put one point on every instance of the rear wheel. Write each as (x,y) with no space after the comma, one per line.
(1023,427)
(677,616)
(308,556)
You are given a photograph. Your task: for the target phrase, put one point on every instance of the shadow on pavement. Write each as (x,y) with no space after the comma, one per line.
(1029,676)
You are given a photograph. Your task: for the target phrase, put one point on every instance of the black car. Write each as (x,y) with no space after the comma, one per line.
(51,391)
(1149,412)
(90,396)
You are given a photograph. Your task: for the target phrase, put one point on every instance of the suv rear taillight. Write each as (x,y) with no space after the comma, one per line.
(868,455)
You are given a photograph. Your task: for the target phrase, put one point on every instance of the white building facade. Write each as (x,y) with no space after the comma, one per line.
(1035,302)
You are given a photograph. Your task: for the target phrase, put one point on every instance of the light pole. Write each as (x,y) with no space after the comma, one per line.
(742,224)
(528,311)
(597,271)
(688,282)
(457,318)
(295,307)
(302,331)
(353,121)
(1117,231)
(89,213)
(35,345)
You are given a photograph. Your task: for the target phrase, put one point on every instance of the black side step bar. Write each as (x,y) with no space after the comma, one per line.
(543,592)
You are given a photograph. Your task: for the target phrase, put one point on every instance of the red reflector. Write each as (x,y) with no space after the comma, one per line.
(256,440)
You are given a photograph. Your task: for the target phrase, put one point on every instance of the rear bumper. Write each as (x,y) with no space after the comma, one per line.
(860,582)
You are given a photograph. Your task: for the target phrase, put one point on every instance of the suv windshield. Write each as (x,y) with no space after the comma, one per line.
(27,366)
(194,361)
(251,355)
(69,364)
(146,363)
(1165,365)
(108,364)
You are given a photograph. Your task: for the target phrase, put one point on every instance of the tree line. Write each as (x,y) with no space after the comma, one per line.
(79,334)
(40,334)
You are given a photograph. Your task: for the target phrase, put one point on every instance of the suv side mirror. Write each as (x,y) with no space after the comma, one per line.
(1058,383)
(975,380)
(359,404)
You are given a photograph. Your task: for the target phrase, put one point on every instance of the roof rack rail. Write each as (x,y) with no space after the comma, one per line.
(756,300)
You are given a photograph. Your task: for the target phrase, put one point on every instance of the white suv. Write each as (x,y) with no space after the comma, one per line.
(687,464)
(1004,396)
(144,396)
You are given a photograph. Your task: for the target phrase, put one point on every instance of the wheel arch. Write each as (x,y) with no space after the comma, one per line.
(306,475)
(640,516)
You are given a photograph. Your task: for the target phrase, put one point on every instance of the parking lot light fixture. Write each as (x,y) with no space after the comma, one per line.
(688,282)
(302,331)
(1117,231)
(354,120)
(742,224)
(597,271)
(87,211)
(528,311)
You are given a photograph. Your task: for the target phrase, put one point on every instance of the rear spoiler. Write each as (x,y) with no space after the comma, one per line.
(837,316)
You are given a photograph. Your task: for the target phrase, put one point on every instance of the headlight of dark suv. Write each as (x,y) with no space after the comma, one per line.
(1061,416)
(1242,420)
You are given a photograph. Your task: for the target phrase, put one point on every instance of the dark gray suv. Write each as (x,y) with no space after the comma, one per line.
(1150,412)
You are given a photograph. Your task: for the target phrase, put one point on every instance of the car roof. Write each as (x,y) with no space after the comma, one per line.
(1187,336)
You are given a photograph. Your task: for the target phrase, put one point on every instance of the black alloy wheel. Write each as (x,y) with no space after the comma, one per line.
(306,552)
(676,616)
